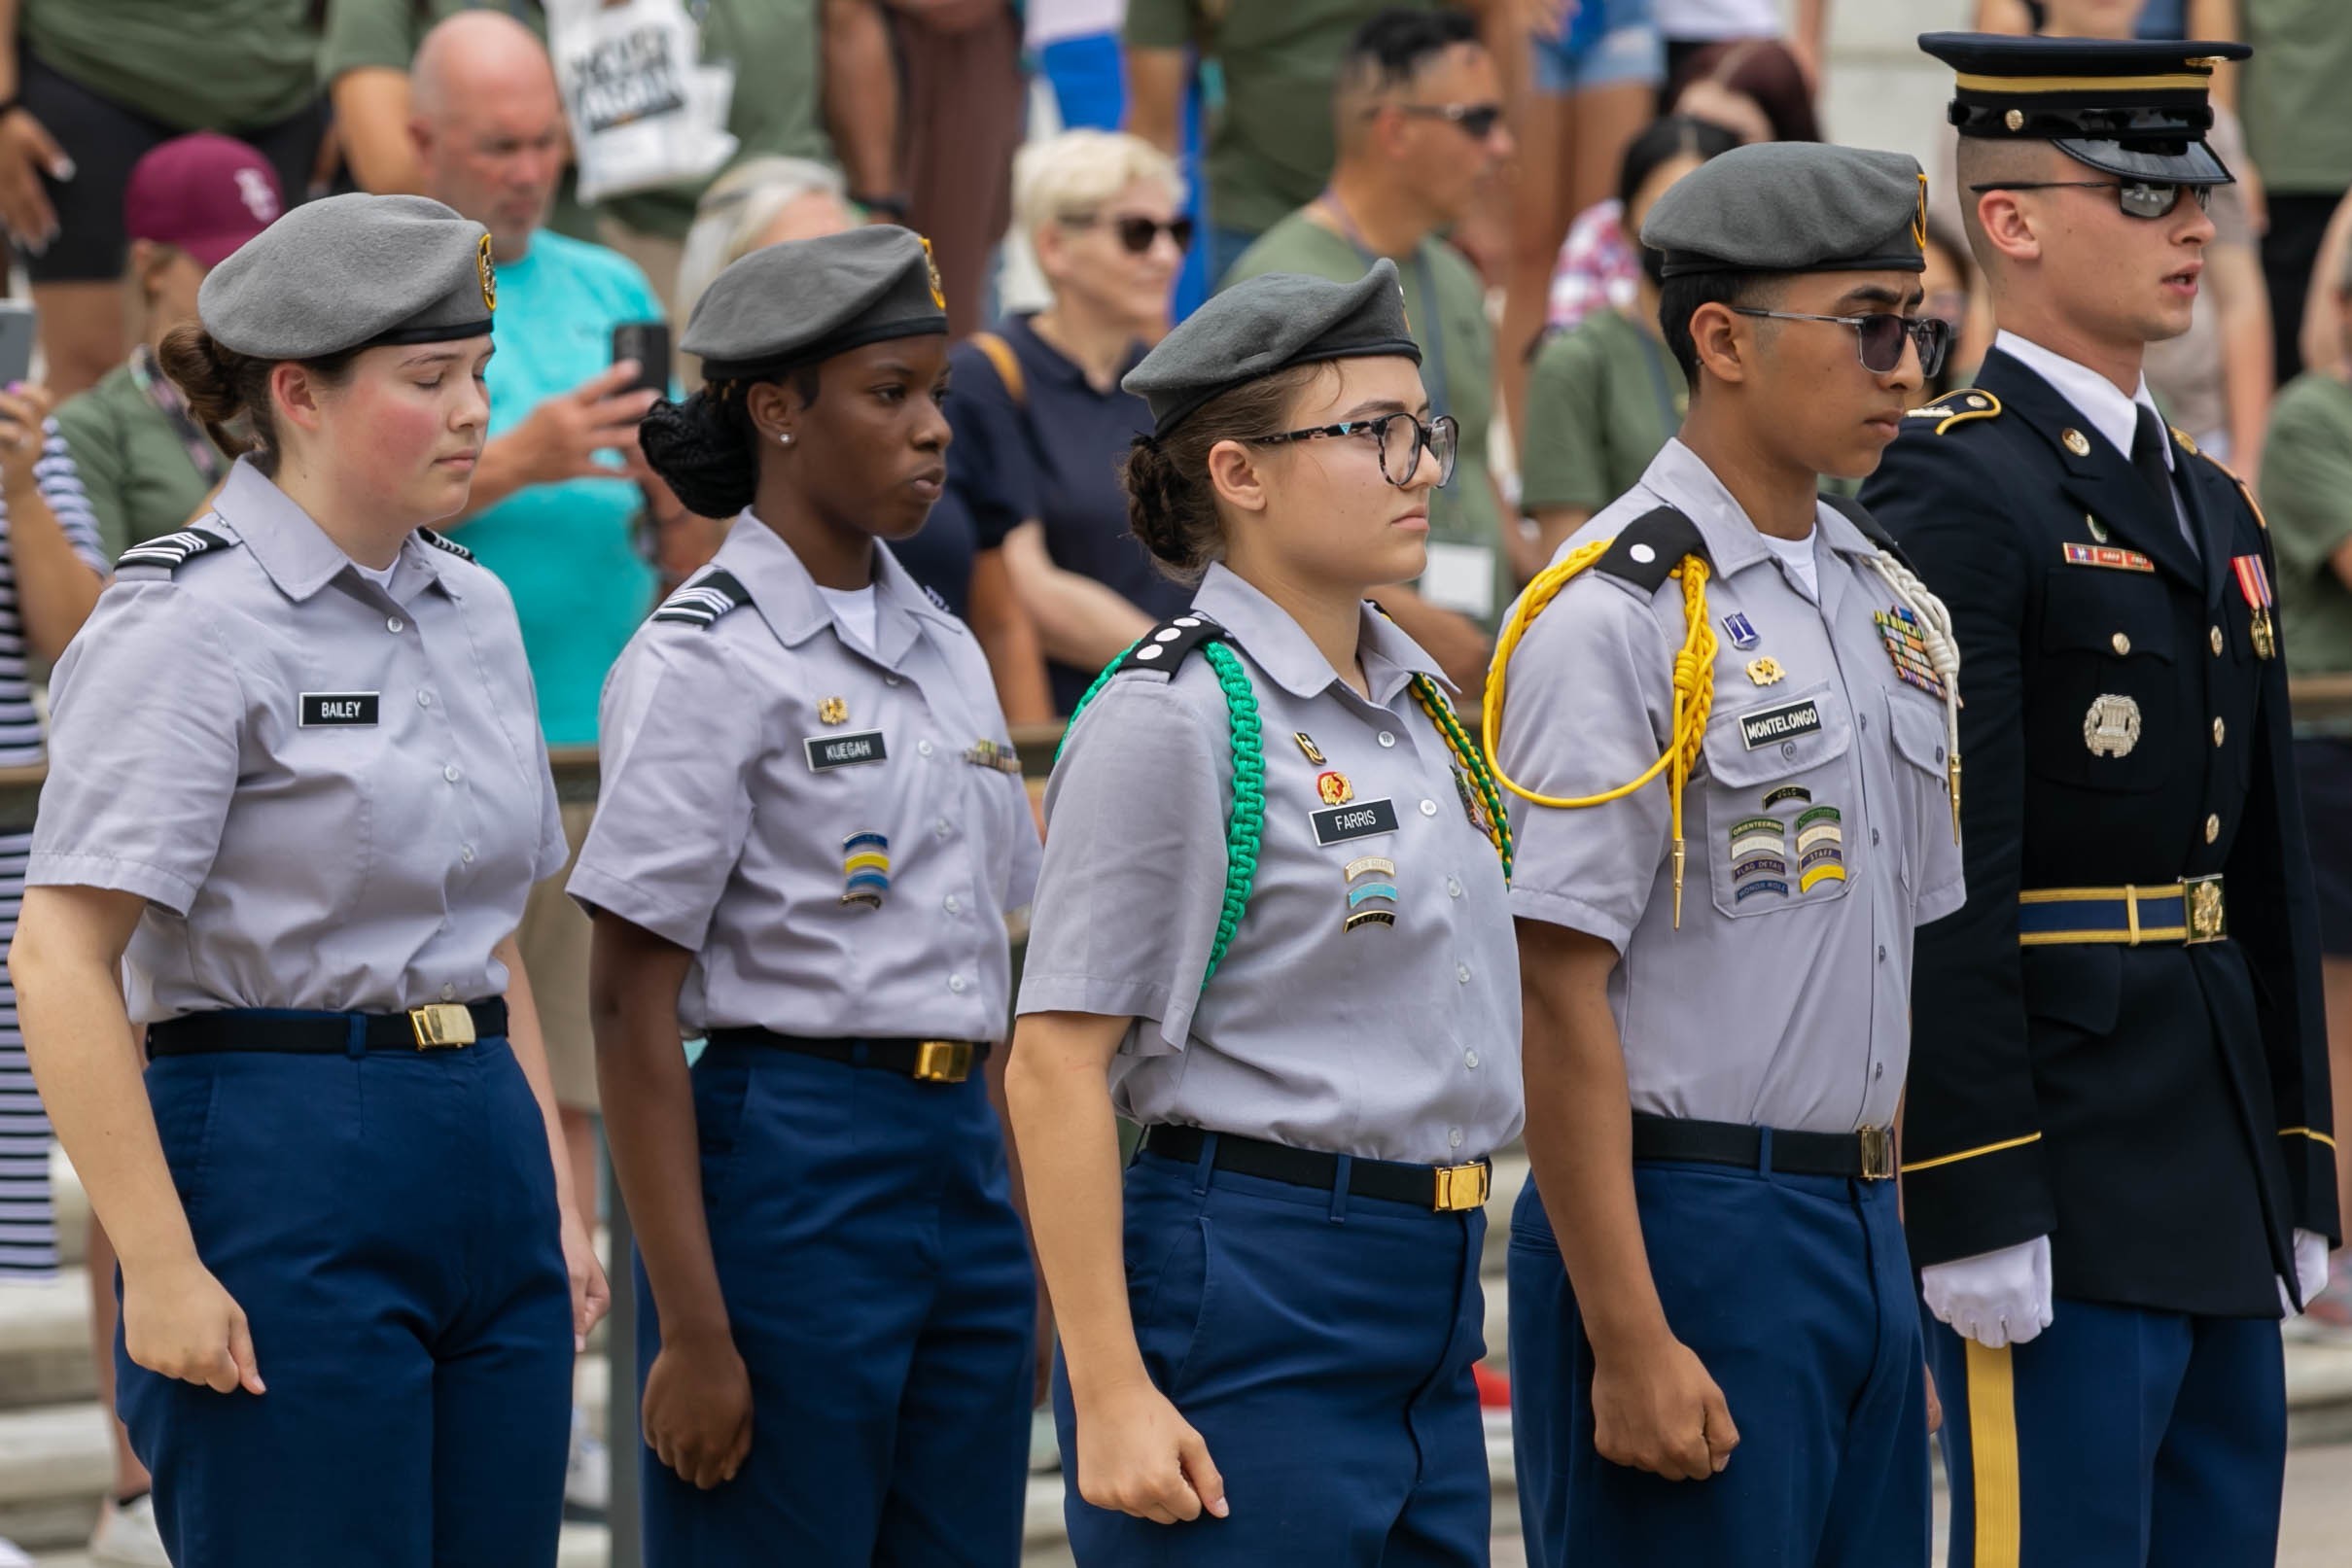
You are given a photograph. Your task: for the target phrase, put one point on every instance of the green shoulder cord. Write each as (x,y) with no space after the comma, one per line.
(1163,648)
(1473,766)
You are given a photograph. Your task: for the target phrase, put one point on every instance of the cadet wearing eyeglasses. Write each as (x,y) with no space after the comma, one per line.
(2118,1165)
(1730,740)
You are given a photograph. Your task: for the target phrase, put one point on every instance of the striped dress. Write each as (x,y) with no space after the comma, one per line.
(28,1227)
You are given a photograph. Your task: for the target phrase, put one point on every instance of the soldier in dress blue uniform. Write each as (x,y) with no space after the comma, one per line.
(810,831)
(296,798)
(1272,912)
(2118,1164)
(1713,1288)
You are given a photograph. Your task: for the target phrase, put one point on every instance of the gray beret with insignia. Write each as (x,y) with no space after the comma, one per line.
(1267,324)
(808,300)
(1794,207)
(352,271)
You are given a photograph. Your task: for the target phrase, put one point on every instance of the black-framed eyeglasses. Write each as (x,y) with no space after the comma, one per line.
(1879,338)
(1400,437)
(1137,232)
(2138,199)
(1476,121)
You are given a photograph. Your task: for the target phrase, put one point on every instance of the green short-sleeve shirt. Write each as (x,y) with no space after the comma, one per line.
(1458,364)
(139,478)
(1601,400)
(2307,497)
(2293,94)
(1271,142)
(227,65)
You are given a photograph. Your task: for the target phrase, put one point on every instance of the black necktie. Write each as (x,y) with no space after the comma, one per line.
(2148,456)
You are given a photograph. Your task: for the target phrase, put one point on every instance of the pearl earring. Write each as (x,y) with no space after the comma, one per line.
(785,438)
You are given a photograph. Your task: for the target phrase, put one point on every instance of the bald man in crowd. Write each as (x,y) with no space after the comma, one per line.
(561,491)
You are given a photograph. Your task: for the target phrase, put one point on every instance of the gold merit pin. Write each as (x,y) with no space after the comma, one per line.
(2075,441)
(1306,744)
(833,711)
(1765,672)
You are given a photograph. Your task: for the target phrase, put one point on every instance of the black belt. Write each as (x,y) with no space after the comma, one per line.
(931,1061)
(1444,1188)
(434,1027)
(1868,1153)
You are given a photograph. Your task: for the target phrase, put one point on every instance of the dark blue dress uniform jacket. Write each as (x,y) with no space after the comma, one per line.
(2160,1111)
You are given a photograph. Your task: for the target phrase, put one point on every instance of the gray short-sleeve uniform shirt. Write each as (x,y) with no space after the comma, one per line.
(1395,1039)
(838,835)
(1818,825)
(332,795)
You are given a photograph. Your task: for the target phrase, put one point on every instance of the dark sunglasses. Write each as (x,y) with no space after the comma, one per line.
(2138,199)
(1135,232)
(1476,121)
(1400,437)
(1879,338)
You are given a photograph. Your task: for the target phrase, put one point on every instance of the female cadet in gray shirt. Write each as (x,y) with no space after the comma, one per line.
(297,797)
(1273,911)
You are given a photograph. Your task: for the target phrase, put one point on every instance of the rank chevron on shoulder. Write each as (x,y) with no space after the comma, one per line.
(701,601)
(171,551)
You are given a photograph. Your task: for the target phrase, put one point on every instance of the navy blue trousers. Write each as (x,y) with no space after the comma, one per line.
(1322,1345)
(879,1289)
(2117,1438)
(388,1222)
(1796,1294)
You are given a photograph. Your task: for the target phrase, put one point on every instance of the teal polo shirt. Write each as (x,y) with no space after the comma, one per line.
(567,552)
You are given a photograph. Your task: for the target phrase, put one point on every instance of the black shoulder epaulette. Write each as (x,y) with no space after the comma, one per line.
(938,599)
(1647,550)
(173,551)
(702,601)
(1165,646)
(1854,513)
(442,541)
(1958,406)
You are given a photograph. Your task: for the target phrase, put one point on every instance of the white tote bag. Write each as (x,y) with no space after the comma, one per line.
(645,110)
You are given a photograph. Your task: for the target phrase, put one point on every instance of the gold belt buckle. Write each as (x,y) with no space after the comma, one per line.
(1877,1153)
(943,1061)
(1461,1187)
(441,1026)
(2207,918)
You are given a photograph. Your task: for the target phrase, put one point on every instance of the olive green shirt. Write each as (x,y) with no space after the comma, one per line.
(1271,140)
(2306,493)
(1601,400)
(1458,365)
(2292,94)
(140,479)
(227,65)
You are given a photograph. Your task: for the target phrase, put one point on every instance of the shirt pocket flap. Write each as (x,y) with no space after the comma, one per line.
(1920,733)
(1779,736)
(2124,615)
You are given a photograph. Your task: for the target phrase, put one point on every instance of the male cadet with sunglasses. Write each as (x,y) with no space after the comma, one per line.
(1419,116)
(2118,1166)
(1730,738)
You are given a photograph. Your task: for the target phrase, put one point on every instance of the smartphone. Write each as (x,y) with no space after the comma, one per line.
(16,341)
(648,342)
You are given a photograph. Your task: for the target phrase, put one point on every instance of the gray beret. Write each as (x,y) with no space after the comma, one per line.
(1267,324)
(808,300)
(352,271)
(1793,207)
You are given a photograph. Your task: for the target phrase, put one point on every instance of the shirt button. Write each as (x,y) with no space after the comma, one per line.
(1865,723)
(942,827)
(424,699)
(1454,887)
(1386,738)
(952,904)
(2219,730)
(1429,808)
(955,982)
(451,772)
(449,994)
(2213,828)
(2217,642)
(1452,1138)
(1469,1058)
(464,852)
(1879,1072)
(1788,749)
(393,623)
(2123,644)
(1874,836)
(923,748)
(889,680)
(1461,972)
(1881,954)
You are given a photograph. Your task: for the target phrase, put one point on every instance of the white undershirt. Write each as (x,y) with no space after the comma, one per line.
(2100,400)
(854,613)
(382,578)
(1797,554)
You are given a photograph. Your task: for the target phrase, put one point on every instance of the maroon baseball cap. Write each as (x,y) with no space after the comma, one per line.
(204,194)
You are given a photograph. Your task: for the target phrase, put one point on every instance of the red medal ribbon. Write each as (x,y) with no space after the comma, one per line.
(2253,580)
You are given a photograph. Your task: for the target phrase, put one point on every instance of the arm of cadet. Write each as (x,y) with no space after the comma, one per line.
(1654,1406)
(862,94)
(1080,622)
(1008,637)
(697,1405)
(1135,1452)
(2242,311)
(65,963)
(591,1296)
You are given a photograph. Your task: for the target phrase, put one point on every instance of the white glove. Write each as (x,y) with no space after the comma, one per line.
(1994,1298)
(2310,1271)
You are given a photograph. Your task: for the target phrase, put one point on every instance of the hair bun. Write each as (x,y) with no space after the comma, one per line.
(702,453)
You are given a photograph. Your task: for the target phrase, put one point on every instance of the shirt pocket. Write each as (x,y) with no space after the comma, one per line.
(1924,782)
(1779,782)
(2105,710)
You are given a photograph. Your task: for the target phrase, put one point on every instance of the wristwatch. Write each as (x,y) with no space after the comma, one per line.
(896,208)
